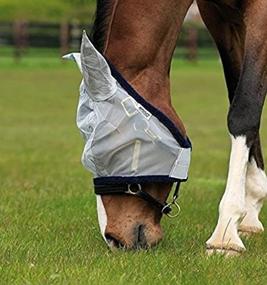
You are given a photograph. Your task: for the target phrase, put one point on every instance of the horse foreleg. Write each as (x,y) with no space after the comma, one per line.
(230,42)
(245,188)
(243,122)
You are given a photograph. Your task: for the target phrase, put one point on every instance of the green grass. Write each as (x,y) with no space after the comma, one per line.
(48,226)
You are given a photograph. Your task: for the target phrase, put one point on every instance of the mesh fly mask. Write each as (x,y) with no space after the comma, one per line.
(127,140)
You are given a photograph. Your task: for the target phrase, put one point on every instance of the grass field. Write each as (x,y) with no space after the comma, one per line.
(48,226)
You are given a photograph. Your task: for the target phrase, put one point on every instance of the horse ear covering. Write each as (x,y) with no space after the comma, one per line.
(98,80)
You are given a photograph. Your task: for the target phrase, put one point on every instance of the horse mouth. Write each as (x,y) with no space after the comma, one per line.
(138,241)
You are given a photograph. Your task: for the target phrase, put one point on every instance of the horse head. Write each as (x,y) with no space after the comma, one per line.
(134,151)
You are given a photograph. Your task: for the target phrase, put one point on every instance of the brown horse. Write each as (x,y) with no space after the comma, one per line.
(139,37)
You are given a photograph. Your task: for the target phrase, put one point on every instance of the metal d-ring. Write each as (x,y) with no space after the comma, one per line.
(134,192)
(172,205)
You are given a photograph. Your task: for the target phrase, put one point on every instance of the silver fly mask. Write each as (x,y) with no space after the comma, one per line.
(127,140)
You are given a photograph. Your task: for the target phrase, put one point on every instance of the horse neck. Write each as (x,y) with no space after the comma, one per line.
(140,41)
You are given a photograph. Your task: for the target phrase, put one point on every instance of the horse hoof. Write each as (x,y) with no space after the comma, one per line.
(223,252)
(248,231)
(227,251)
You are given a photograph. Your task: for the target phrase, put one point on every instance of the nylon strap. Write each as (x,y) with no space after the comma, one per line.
(136,190)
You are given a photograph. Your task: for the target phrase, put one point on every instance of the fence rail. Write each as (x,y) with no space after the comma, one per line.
(65,36)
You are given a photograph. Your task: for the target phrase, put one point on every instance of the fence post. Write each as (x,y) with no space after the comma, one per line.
(192,46)
(20,36)
(64,38)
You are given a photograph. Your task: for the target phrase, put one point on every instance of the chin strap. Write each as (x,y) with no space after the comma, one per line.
(136,190)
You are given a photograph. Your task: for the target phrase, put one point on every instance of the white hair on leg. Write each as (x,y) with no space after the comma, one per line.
(232,206)
(102,216)
(256,193)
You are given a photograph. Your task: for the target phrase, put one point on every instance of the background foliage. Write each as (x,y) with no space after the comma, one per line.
(46,10)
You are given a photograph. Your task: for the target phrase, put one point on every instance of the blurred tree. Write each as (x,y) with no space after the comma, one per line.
(47,10)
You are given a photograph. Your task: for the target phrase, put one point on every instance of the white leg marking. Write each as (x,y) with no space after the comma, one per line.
(102,216)
(231,210)
(256,192)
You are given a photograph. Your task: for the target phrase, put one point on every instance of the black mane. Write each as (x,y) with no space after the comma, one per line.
(100,26)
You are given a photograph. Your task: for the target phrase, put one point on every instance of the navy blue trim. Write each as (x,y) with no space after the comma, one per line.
(185,143)
(112,180)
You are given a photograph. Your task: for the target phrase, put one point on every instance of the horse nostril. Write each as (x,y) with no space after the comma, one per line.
(113,242)
(139,237)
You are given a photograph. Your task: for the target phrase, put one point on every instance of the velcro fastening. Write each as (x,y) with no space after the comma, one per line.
(181,165)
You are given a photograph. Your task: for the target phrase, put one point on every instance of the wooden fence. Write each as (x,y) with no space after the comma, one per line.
(65,36)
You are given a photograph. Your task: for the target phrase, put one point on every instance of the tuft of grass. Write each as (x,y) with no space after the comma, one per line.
(48,226)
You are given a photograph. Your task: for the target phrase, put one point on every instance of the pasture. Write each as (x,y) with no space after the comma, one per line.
(48,225)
